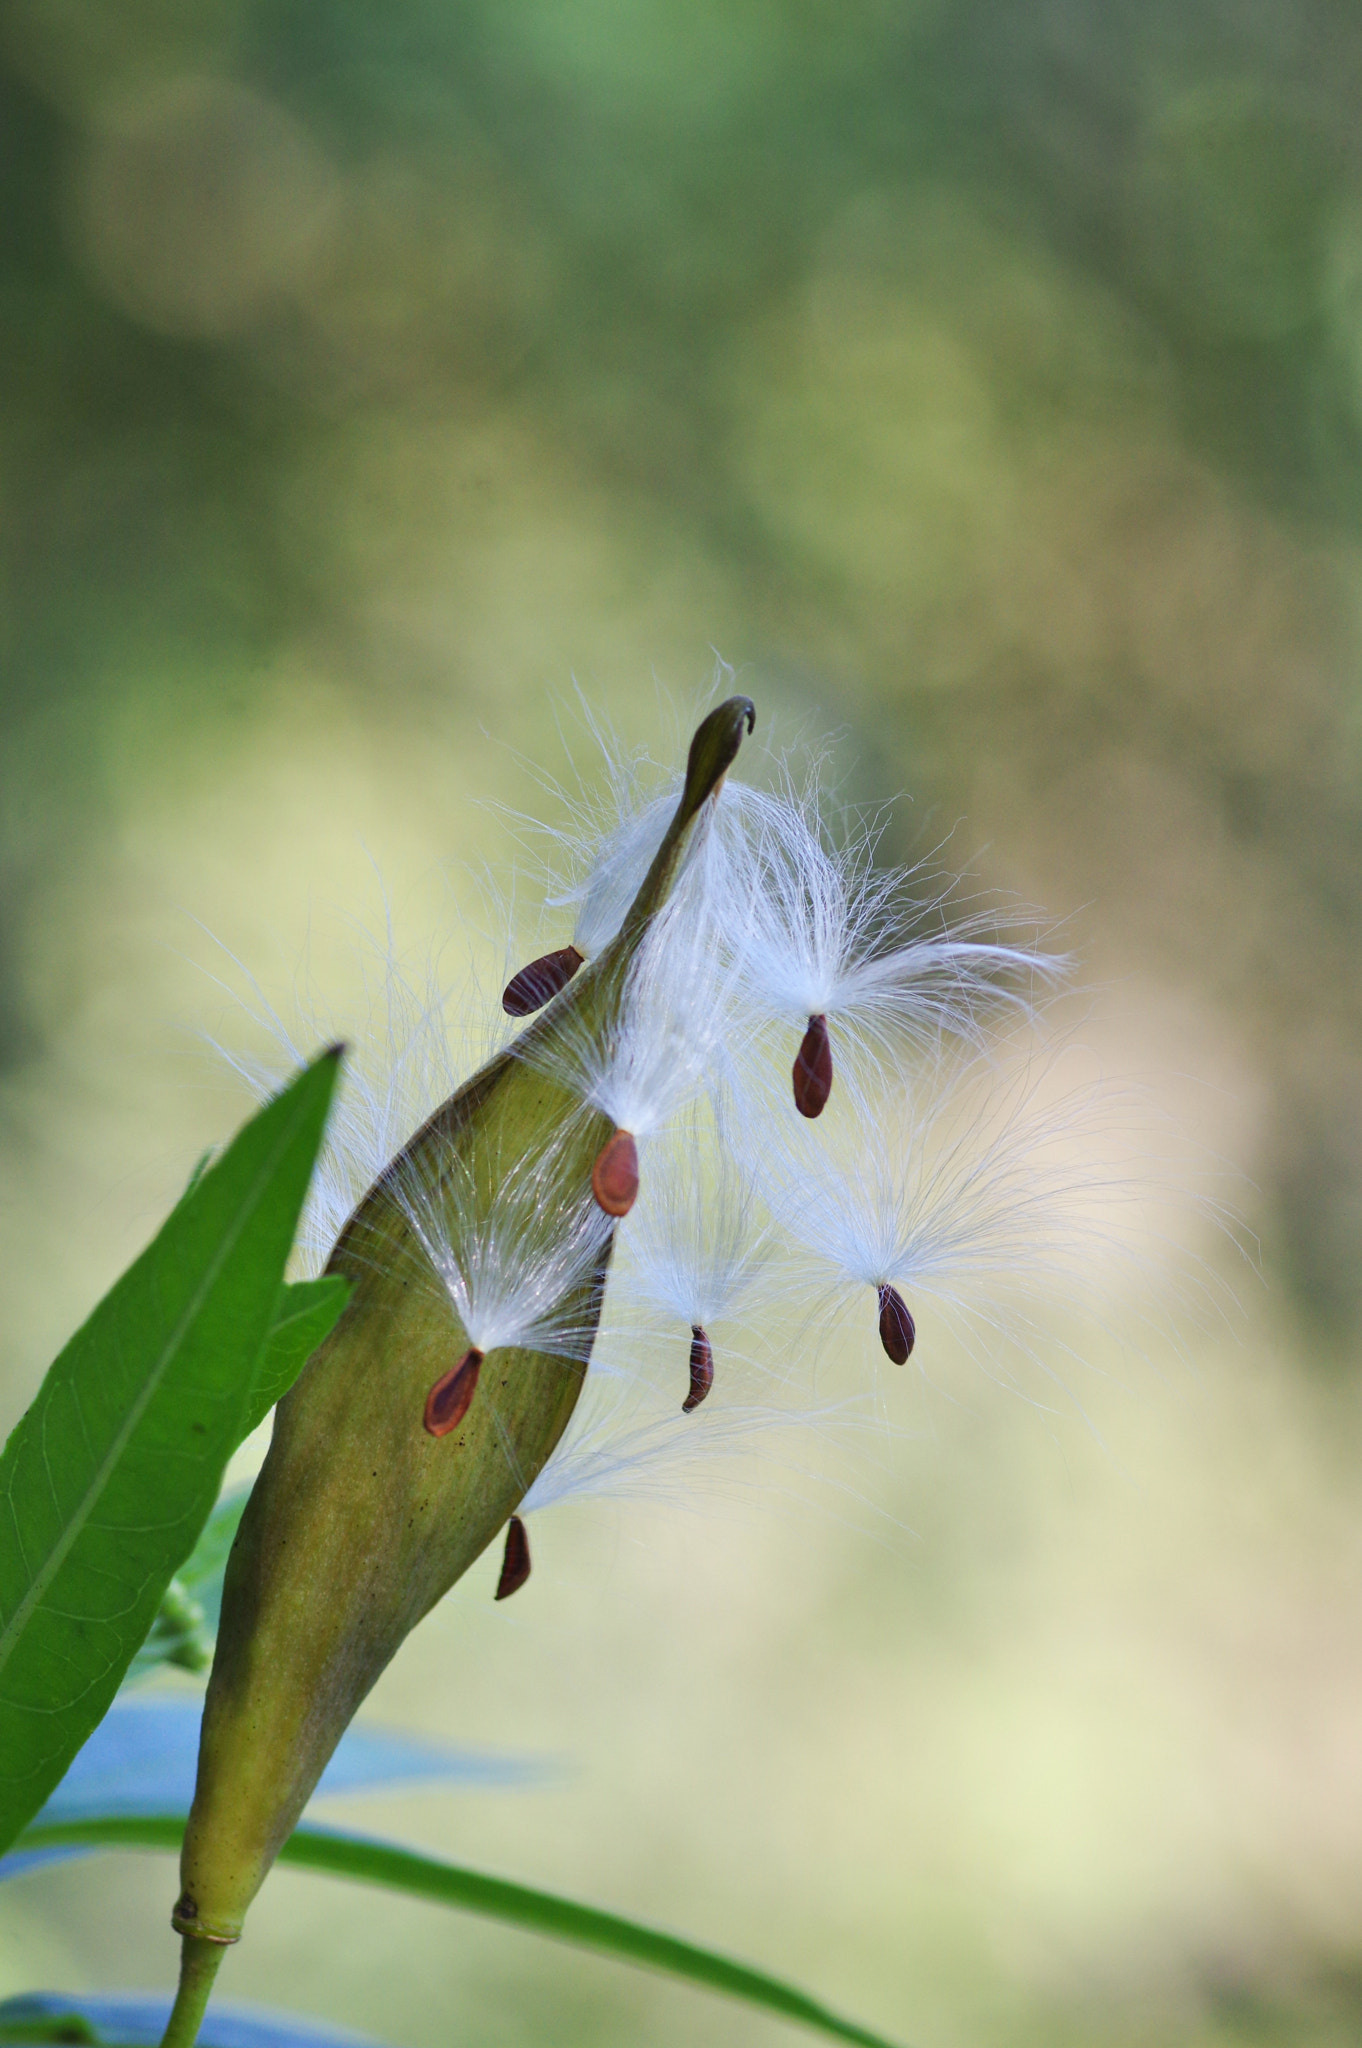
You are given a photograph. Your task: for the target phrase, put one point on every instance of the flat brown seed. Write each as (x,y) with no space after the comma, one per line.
(529,990)
(701,1369)
(448,1400)
(813,1069)
(515,1562)
(614,1177)
(898,1331)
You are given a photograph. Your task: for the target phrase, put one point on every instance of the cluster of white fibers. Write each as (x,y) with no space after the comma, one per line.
(951,1174)
(887,953)
(962,1164)
(603,896)
(668,1041)
(998,1195)
(515,1267)
(594,861)
(413,1035)
(693,1248)
(699,1249)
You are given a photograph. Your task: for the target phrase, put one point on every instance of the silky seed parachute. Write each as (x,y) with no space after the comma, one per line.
(511,1255)
(692,1254)
(984,1186)
(828,938)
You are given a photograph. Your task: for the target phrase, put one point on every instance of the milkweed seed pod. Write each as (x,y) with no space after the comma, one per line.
(479,1251)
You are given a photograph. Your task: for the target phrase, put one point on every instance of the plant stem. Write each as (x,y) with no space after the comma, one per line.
(199,1962)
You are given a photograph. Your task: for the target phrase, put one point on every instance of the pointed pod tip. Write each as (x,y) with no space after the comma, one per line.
(715,748)
(336,1051)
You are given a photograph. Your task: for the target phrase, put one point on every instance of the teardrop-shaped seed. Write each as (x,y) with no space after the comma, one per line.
(614,1177)
(531,988)
(448,1400)
(515,1562)
(701,1369)
(813,1069)
(898,1331)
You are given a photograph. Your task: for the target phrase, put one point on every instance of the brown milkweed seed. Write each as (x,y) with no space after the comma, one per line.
(531,988)
(515,1563)
(701,1369)
(898,1331)
(614,1177)
(813,1069)
(448,1400)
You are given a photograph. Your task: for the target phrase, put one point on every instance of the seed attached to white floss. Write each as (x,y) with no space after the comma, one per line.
(701,1369)
(449,1399)
(898,1331)
(529,990)
(515,1563)
(813,1069)
(614,1177)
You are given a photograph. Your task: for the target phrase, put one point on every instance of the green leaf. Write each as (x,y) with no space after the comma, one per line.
(518,1905)
(201,1166)
(111,1474)
(307,1312)
(187,1619)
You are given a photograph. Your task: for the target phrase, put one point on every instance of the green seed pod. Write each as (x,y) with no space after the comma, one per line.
(368,1507)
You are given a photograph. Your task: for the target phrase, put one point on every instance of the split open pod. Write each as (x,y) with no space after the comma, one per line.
(411,1436)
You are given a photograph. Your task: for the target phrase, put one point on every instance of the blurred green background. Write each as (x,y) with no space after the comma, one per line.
(983,378)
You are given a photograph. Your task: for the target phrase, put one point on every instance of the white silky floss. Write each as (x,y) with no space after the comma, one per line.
(505,1287)
(613,876)
(942,1171)
(414,1045)
(694,1247)
(669,1043)
(822,931)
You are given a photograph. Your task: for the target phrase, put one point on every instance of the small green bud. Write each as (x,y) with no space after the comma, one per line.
(403,1448)
(179,1634)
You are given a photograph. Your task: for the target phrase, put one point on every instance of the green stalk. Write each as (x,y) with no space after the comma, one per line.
(364,1861)
(199,1961)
